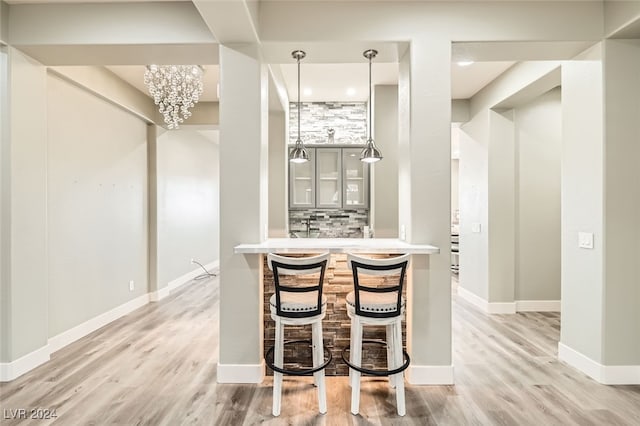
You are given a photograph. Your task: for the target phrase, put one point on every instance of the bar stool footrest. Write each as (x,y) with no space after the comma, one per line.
(379,373)
(268,356)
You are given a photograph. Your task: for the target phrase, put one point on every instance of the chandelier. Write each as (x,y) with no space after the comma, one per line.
(175,89)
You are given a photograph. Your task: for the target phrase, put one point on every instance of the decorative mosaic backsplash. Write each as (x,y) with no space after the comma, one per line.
(330,223)
(348,121)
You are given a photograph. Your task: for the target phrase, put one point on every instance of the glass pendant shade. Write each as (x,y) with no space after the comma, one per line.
(299,154)
(370,153)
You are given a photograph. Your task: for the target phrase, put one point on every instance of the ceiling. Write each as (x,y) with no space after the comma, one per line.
(331,82)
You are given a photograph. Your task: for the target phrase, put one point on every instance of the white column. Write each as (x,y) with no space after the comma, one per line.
(600,296)
(24,217)
(384,188)
(425,204)
(243,212)
(278,202)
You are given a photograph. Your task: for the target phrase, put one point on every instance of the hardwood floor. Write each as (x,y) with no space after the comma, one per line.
(157,366)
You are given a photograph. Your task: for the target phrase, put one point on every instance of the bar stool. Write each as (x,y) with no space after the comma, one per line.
(380,305)
(298,303)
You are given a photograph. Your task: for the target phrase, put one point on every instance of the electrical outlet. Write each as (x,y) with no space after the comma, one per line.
(131,285)
(192,261)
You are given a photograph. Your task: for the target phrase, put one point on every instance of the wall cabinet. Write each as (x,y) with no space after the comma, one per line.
(302,182)
(334,178)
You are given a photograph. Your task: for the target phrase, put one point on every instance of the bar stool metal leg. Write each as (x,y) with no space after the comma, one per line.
(318,357)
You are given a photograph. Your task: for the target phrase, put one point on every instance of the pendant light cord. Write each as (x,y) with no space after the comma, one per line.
(299,112)
(370,108)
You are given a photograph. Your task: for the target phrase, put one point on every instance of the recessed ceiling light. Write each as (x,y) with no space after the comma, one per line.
(351,91)
(307,91)
(464,63)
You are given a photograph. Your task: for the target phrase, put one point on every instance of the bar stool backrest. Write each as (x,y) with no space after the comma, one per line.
(283,265)
(393,266)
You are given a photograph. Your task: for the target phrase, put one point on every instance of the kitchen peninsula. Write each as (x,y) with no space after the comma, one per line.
(337,283)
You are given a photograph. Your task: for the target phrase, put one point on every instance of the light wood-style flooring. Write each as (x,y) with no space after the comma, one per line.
(157,366)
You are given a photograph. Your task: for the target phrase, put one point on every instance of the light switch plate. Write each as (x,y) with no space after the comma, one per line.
(476,227)
(585,240)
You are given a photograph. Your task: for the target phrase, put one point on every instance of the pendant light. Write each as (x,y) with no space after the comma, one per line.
(299,154)
(370,154)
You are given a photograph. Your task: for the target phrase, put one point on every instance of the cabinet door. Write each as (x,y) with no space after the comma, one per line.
(329,178)
(356,179)
(302,182)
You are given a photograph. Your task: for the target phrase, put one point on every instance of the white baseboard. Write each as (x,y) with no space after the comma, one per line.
(474,299)
(240,373)
(487,307)
(180,281)
(430,374)
(158,295)
(509,307)
(63,339)
(502,307)
(537,305)
(12,370)
(605,374)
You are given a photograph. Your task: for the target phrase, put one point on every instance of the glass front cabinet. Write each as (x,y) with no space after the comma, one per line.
(356,179)
(333,178)
(302,182)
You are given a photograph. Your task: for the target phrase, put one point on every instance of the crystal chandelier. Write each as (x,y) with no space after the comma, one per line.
(175,89)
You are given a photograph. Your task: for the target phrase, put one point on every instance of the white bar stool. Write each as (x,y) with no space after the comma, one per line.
(380,305)
(298,303)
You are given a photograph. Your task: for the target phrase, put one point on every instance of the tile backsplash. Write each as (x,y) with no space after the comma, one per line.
(348,121)
(330,223)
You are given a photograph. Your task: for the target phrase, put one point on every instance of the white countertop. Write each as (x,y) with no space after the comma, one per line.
(335,245)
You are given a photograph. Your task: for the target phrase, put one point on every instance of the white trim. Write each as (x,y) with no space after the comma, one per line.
(474,299)
(430,374)
(484,306)
(605,374)
(66,337)
(158,295)
(241,373)
(14,369)
(180,281)
(502,307)
(621,375)
(537,305)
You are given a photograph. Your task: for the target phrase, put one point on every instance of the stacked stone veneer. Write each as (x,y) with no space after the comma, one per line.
(336,324)
(348,120)
(330,223)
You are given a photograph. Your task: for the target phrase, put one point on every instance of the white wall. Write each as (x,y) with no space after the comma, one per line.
(538,135)
(622,203)
(278,166)
(489,192)
(24,208)
(187,203)
(97,205)
(455,203)
(4,204)
(582,203)
(384,188)
(473,196)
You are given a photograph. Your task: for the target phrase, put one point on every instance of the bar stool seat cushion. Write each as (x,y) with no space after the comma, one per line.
(297,302)
(374,302)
